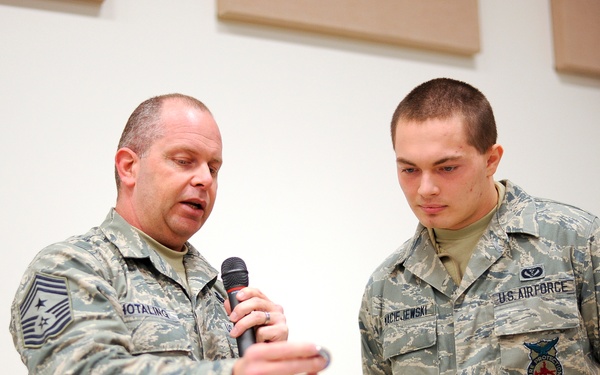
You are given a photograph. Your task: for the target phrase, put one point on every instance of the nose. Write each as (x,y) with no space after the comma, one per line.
(428,186)
(202,176)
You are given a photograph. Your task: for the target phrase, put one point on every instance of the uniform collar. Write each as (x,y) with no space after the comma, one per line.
(516,214)
(132,245)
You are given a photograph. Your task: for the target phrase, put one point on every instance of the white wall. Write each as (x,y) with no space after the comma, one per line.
(308,194)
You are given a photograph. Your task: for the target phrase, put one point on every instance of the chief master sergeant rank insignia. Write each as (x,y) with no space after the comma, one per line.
(45,310)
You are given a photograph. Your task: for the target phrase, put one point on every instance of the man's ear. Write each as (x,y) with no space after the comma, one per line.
(494,157)
(126,163)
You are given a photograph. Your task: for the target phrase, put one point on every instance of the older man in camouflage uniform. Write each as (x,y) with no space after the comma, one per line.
(494,281)
(132,296)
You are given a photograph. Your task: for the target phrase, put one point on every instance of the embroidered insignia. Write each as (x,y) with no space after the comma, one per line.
(532,272)
(534,290)
(46,310)
(543,358)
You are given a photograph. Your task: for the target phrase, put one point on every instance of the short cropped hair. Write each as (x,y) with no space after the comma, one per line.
(144,125)
(443,98)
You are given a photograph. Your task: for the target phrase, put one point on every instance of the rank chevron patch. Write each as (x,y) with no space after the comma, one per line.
(46,310)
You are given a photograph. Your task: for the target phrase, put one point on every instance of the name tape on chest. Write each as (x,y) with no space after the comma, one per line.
(408,314)
(136,309)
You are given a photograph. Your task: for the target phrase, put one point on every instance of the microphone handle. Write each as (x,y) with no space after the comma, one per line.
(248,337)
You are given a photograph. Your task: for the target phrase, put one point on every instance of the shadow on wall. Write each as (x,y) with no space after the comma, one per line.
(343,43)
(90,8)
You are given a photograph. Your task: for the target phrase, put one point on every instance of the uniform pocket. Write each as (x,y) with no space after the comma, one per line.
(537,329)
(405,338)
(536,315)
(412,345)
(157,336)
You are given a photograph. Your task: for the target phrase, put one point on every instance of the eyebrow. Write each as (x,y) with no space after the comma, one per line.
(438,162)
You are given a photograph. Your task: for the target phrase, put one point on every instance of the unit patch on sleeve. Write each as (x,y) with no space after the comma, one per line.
(45,310)
(543,358)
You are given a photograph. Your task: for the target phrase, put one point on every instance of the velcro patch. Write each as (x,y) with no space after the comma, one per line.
(535,272)
(46,310)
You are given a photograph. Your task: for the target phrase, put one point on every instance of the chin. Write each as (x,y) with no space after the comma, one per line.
(433,223)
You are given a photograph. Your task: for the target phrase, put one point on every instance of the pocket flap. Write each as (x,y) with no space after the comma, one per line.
(408,337)
(536,314)
(151,335)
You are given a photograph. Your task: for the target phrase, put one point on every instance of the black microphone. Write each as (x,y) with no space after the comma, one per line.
(235,278)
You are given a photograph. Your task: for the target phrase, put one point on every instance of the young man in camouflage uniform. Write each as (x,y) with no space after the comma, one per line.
(494,281)
(132,296)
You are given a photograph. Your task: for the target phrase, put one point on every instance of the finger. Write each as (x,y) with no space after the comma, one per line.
(293,366)
(258,300)
(248,292)
(257,319)
(287,358)
(282,351)
(273,333)
(254,304)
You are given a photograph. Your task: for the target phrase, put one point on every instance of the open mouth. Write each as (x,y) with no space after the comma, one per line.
(194,205)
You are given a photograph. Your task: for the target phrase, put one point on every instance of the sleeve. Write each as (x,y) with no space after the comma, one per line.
(373,362)
(590,288)
(66,319)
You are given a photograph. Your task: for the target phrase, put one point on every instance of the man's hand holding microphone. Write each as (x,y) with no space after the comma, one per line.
(261,331)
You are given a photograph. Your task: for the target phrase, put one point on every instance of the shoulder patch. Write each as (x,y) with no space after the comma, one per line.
(46,310)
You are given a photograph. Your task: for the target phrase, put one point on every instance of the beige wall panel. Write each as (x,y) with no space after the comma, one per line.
(441,25)
(576,27)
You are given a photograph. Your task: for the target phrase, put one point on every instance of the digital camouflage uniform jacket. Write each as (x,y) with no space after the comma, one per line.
(106,303)
(528,303)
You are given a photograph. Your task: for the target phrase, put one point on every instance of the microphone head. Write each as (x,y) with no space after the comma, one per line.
(234,273)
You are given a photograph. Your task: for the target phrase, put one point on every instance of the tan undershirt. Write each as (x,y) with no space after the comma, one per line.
(455,247)
(174,258)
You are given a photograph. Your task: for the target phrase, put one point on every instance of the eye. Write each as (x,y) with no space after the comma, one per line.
(448,168)
(214,168)
(182,161)
(408,170)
